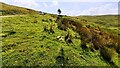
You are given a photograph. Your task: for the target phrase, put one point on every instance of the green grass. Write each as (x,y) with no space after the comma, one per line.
(107,23)
(105,20)
(25,43)
(14,10)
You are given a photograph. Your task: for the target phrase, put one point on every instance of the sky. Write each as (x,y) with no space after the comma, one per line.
(70,7)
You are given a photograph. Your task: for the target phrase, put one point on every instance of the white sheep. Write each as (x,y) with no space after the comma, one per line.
(60,38)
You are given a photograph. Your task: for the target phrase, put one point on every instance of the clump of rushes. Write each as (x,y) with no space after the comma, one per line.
(68,38)
(51,29)
(110,55)
(35,21)
(45,28)
(61,60)
(11,32)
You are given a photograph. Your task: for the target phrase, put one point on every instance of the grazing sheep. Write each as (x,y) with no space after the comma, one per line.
(59,38)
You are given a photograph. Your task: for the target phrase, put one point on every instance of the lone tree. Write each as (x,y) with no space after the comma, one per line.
(59,11)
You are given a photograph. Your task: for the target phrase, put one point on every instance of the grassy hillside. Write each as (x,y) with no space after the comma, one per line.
(106,20)
(107,23)
(51,40)
(13,10)
(33,40)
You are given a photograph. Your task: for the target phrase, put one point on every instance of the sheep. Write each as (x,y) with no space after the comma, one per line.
(59,38)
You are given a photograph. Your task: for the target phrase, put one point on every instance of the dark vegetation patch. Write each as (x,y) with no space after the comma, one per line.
(61,60)
(88,34)
(109,55)
(97,38)
(7,33)
(8,46)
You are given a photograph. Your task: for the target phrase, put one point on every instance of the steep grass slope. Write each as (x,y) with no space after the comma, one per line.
(36,40)
(13,10)
(51,40)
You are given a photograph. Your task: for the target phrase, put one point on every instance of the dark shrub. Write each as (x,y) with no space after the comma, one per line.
(35,21)
(51,29)
(109,55)
(41,46)
(60,60)
(7,33)
(83,46)
(43,20)
(68,38)
(12,32)
(50,20)
(45,28)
